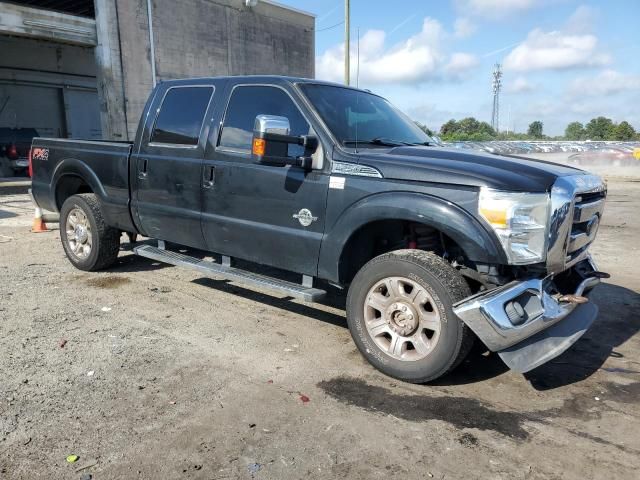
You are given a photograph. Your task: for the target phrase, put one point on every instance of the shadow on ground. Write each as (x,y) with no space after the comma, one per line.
(134,263)
(5,214)
(13,189)
(617,322)
(285,303)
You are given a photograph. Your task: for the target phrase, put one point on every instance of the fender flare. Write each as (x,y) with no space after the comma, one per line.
(115,209)
(78,168)
(476,241)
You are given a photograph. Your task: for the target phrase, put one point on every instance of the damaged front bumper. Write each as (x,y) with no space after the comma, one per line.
(533,321)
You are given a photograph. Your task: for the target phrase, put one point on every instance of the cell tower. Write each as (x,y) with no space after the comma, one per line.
(497,84)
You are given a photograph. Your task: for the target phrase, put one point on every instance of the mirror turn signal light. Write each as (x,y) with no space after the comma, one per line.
(259,145)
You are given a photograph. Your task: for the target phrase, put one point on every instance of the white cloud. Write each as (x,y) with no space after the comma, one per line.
(414,60)
(463,27)
(519,85)
(555,51)
(495,9)
(461,62)
(572,46)
(582,20)
(607,82)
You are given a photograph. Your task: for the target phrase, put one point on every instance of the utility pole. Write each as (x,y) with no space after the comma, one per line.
(347,28)
(152,47)
(497,84)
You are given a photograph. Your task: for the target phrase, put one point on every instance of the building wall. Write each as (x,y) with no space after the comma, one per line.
(195,38)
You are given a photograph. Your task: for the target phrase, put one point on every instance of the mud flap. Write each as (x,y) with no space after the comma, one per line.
(549,343)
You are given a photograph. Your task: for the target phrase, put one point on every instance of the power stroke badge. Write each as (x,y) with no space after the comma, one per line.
(305,217)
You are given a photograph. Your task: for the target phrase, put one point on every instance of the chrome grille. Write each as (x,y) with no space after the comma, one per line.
(577,203)
(587,212)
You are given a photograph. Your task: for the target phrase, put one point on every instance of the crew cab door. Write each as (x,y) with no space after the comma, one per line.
(273,215)
(168,165)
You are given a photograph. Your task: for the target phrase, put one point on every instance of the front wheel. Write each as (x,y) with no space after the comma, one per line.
(90,244)
(399,311)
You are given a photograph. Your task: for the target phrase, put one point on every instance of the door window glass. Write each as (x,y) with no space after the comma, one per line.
(181,115)
(247,102)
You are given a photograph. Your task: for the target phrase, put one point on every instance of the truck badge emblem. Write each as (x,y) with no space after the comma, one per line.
(41,154)
(305,217)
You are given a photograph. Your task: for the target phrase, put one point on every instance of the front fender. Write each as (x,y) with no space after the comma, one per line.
(478,244)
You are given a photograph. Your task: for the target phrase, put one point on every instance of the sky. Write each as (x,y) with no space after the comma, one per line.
(562,60)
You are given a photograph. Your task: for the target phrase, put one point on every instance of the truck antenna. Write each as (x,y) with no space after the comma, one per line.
(358,61)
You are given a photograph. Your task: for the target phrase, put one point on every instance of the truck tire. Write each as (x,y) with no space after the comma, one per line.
(90,244)
(399,311)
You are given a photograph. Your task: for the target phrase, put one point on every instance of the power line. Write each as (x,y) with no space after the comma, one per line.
(329,28)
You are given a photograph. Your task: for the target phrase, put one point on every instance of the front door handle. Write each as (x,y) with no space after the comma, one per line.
(142,173)
(209,177)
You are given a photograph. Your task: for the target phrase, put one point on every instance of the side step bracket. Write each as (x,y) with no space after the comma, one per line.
(216,270)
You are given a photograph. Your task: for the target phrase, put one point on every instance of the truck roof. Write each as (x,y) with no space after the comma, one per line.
(274,79)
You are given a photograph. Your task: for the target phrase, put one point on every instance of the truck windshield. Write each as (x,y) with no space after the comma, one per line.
(357,116)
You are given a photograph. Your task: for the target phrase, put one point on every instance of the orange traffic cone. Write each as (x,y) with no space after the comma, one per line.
(38,223)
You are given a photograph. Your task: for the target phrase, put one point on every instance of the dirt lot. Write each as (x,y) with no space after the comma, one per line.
(165,374)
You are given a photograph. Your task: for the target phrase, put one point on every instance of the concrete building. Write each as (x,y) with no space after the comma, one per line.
(84,68)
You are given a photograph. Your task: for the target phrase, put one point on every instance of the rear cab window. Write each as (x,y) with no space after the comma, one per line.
(249,101)
(181,116)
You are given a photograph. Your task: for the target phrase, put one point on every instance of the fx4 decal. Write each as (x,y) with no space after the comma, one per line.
(41,154)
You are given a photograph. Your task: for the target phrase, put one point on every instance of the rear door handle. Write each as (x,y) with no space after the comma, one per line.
(142,173)
(209,177)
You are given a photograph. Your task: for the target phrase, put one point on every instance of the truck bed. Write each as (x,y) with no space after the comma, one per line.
(59,164)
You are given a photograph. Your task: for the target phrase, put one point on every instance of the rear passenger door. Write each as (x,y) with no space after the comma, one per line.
(168,164)
(272,215)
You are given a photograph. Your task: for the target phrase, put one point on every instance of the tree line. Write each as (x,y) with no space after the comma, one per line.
(471,129)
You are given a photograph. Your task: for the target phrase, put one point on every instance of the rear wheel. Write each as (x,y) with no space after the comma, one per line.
(90,244)
(399,311)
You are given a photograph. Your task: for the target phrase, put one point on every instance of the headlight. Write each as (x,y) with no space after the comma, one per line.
(520,221)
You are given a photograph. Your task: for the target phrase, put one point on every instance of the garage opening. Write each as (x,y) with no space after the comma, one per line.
(82,8)
(48,84)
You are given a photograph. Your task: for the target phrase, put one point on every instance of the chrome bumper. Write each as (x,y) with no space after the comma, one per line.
(507,316)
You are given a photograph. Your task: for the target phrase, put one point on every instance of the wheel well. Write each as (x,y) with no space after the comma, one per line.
(384,236)
(69,185)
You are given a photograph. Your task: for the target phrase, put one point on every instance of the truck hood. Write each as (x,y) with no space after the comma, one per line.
(464,167)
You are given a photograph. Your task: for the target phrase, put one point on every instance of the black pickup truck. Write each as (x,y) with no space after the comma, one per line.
(437,247)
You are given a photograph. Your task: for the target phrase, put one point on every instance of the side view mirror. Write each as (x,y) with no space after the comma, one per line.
(271,140)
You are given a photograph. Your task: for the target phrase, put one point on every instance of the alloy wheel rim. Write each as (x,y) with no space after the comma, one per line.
(79,236)
(402,319)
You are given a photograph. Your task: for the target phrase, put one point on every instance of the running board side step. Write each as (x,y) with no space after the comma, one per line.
(217,270)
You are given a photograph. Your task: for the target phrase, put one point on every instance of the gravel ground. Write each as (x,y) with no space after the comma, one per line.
(149,371)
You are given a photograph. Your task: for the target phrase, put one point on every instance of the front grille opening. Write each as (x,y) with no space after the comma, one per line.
(587,215)
(575,254)
(589,197)
(582,227)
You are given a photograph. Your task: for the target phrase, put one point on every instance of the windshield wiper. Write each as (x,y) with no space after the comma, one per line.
(385,142)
